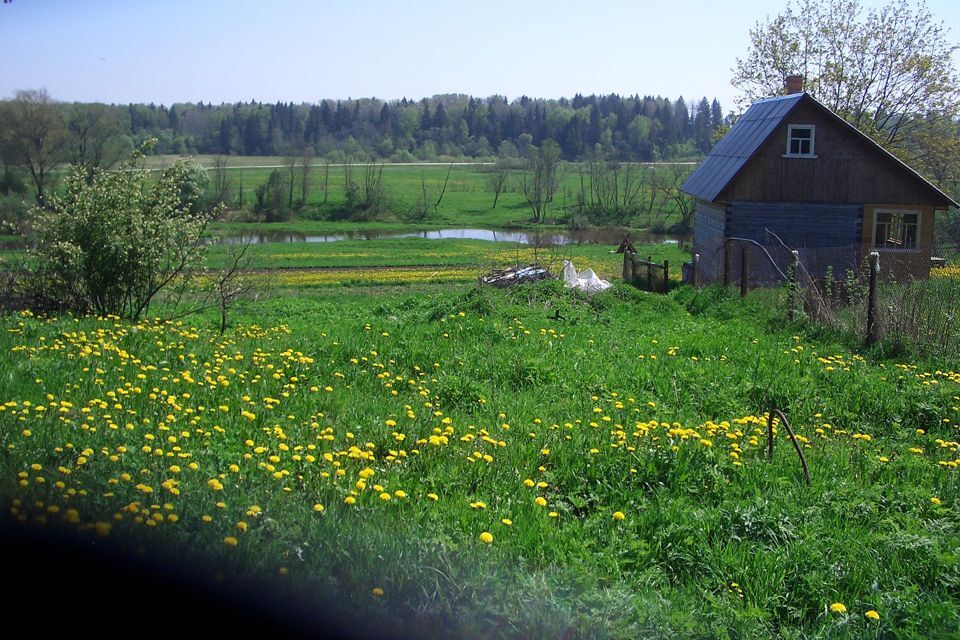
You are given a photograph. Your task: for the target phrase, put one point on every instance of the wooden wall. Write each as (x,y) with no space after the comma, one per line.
(846,169)
(708,233)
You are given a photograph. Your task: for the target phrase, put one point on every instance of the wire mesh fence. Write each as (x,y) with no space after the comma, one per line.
(915,299)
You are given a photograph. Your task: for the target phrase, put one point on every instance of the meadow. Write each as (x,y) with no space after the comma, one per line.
(465,199)
(443,459)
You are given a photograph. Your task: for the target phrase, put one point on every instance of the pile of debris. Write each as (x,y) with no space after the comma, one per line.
(516,275)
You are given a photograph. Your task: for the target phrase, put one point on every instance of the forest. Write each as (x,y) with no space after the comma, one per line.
(443,127)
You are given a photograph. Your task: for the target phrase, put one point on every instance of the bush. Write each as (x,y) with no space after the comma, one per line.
(271,203)
(110,245)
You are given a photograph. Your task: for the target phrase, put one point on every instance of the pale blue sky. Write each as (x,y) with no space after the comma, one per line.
(166,51)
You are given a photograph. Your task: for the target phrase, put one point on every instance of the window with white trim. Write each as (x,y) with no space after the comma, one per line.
(895,229)
(800,140)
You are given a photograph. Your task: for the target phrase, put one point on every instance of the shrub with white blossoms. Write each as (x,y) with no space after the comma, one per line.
(111,243)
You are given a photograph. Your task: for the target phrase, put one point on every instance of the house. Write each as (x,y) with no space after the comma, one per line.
(793,167)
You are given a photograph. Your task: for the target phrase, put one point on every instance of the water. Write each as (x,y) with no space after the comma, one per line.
(599,235)
(551,238)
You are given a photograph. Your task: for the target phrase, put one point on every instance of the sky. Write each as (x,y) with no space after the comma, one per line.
(166,51)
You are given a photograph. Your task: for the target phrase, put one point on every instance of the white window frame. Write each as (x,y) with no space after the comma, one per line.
(901,212)
(813,136)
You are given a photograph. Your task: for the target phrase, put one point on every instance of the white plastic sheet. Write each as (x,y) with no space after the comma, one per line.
(585,280)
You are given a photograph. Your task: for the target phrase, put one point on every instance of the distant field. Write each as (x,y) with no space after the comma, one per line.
(466,201)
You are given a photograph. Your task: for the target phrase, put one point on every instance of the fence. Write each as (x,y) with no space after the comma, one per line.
(632,264)
(885,295)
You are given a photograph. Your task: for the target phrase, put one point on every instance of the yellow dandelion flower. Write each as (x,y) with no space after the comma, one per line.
(618,515)
(486,537)
(872,615)
(541,501)
(377,592)
(838,607)
(230,541)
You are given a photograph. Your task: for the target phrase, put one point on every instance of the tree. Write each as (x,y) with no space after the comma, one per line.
(95,137)
(497,178)
(34,134)
(888,71)
(270,198)
(221,181)
(306,158)
(539,182)
(191,181)
(111,244)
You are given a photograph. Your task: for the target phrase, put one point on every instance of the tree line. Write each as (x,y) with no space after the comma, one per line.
(37,132)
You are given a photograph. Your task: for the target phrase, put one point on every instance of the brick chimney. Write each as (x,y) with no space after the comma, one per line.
(793,84)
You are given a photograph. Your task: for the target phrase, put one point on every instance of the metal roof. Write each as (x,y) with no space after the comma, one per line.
(752,129)
(741,142)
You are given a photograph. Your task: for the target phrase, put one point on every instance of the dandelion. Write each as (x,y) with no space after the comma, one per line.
(618,515)
(935,501)
(230,541)
(541,501)
(872,615)
(838,607)
(377,592)
(507,521)
(486,537)
(318,508)
(433,496)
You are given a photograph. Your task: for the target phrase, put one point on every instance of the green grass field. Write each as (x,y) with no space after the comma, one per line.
(466,202)
(477,462)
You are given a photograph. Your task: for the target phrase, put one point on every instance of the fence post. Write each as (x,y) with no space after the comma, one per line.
(649,273)
(626,267)
(726,263)
(792,299)
(696,271)
(633,268)
(872,329)
(744,269)
(666,276)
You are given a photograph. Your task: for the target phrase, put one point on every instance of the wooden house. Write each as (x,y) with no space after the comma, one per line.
(792,167)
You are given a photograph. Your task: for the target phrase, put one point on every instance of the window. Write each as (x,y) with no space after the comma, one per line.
(896,229)
(800,140)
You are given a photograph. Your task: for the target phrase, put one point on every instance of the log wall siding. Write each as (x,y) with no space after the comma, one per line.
(897,264)
(708,234)
(825,236)
(846,169)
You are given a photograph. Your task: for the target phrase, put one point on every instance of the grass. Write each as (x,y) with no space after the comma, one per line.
(424,252)
(467,200)
(353,446)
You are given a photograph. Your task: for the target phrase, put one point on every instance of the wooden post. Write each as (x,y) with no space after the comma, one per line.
(744,269)
(726,263)
(626,267)
(696,271)
(792,292)
(666,276)
(649,273)
(633,268)
(872,329)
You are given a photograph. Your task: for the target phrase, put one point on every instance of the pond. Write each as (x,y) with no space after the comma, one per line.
(553,237)
(534,237)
